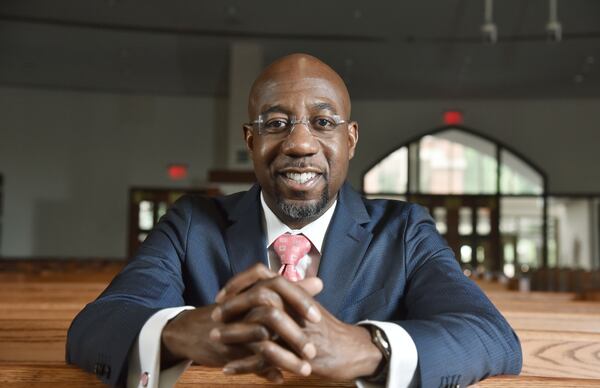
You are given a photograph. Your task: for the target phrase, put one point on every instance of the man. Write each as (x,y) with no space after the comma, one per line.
(300,273)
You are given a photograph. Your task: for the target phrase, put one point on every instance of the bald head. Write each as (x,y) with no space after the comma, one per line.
(296,70)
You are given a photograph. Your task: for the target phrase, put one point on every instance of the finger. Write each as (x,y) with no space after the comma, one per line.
(244,280)
(242,303)
(293,295)
(251,364)
(285,327)
(281,358)
(254,364)
(311,285)
(272,374)
(236,333)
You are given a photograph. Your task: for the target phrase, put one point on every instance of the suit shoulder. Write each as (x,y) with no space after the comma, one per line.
(385,207)
(199,206)
(395,216)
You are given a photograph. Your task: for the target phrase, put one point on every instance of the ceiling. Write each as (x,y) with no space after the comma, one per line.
(383,49)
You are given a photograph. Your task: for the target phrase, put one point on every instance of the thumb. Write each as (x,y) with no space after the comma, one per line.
(312,285)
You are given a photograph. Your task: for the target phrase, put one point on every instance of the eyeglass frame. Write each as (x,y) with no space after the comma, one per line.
(293,121)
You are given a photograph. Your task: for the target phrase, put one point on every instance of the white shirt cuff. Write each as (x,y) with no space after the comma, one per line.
(144,358)
(402,371)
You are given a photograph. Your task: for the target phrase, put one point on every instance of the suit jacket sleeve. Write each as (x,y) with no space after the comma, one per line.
(460,336)
(101,335)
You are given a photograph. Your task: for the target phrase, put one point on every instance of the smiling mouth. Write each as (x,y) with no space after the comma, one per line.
(301,178)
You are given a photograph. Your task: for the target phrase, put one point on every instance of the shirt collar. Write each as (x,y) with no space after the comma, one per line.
(315,231)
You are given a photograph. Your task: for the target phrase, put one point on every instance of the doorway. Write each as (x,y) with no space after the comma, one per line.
(469,223)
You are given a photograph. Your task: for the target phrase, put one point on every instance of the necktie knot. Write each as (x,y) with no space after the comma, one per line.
(290,249)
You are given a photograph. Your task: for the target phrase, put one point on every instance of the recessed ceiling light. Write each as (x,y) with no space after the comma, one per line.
(578,78)
(357,14)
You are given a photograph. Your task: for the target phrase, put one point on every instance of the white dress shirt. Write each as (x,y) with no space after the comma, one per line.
(144,360)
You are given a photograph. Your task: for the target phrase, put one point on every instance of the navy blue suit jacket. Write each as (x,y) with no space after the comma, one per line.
(381,260)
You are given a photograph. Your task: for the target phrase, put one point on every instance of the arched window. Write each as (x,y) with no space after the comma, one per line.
(487,200)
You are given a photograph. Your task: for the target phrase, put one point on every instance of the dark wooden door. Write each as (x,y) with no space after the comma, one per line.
(147,205)
(470,225)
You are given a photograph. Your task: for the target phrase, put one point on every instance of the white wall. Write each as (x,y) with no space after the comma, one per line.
(69,158)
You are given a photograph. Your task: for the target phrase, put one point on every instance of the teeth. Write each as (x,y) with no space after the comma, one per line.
(300,178)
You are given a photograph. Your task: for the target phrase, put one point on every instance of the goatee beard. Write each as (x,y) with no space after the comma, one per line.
(297,211)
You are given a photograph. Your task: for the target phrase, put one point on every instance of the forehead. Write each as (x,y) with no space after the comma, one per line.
(298,94)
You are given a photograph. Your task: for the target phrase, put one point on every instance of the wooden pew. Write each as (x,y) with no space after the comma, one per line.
(28,375)
(560,337)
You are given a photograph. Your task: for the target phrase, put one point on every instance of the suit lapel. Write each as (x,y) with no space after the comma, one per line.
(344,248)
(245,236)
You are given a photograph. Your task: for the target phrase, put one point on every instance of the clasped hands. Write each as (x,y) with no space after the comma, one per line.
(264,324)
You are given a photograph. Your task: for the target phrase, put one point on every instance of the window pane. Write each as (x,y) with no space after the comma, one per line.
(480,254)
(146,215)
(483,221)
(521,224)
(465,253)
(508,224)
(465,221)
(571,237)
(161,210)
(517,177)
(509,270)
(439,214)
(509,253)
(390,175)
(455,162)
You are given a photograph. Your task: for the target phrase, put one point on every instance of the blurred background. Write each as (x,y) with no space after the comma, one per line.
(486,112)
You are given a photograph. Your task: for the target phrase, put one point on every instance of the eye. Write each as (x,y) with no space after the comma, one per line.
(323,123)
(276,124)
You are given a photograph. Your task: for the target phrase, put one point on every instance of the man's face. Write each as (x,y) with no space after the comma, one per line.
(300,174)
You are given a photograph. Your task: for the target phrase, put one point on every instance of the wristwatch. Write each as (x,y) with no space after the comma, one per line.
(380,340)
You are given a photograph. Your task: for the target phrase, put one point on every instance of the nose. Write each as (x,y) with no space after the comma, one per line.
(300,141)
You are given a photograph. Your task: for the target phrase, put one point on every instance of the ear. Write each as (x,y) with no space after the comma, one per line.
(249,138)
(352,138)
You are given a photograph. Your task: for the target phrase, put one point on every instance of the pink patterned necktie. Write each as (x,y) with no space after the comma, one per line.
(291,248)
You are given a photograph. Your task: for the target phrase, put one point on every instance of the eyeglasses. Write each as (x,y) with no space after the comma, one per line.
(320,126)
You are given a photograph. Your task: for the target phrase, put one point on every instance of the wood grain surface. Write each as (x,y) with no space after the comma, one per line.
(56,375)
(560,337)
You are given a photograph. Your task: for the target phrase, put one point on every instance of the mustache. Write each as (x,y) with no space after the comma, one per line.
(299,164)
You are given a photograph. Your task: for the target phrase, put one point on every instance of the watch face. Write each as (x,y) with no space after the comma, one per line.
(380,340)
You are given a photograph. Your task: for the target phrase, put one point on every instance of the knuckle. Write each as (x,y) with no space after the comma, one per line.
(279,281)
(262,296)
(306,304)
(259,268)
(269,349)
(260,332)
(263,270)
(302,339)
(273,314)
